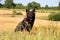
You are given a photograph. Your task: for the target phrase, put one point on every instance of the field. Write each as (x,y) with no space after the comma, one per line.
(42,30)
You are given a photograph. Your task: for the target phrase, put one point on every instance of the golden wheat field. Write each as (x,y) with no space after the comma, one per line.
(42,29)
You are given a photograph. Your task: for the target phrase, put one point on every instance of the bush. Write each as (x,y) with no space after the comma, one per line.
(19,13)
(54,16)
(13,14)
(16,13)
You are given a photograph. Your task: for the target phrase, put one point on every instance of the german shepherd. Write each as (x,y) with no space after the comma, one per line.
(27,22)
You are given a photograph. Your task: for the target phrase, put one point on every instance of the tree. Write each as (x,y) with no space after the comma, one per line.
(46,6)
(29,6)
(59,4)
(8,3)
(33,5)
(19,6)
(13,5)
(1,5)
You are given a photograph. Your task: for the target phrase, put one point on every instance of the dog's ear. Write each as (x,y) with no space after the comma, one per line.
(33,10)
(27,11)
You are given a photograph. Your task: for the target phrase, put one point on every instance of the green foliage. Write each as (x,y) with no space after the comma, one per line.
(8,3)
(19,6)
(33,5)
(13,5)
(46,6)
(19,13)
(59,6)
(1,5)
(29,6)
(16,13)
(54,17)
(13,15)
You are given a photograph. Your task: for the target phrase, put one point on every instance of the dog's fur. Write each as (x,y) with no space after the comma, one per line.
(27,22)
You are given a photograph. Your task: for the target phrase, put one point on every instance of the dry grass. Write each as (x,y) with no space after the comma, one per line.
(42,30)
(7,22)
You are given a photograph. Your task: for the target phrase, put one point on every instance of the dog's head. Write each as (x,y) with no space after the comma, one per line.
(30,14)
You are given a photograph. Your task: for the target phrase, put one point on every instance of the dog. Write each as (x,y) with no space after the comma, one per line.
(27,22)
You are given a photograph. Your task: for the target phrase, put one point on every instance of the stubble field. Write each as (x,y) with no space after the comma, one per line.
(42,29)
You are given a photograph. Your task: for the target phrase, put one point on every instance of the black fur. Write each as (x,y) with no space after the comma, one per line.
(27,22)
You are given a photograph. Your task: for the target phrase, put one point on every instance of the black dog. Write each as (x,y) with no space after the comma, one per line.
(27,22)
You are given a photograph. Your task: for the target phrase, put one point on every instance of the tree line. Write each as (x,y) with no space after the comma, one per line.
(10,4)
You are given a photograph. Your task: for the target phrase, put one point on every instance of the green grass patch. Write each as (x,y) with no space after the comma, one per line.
(54,16)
